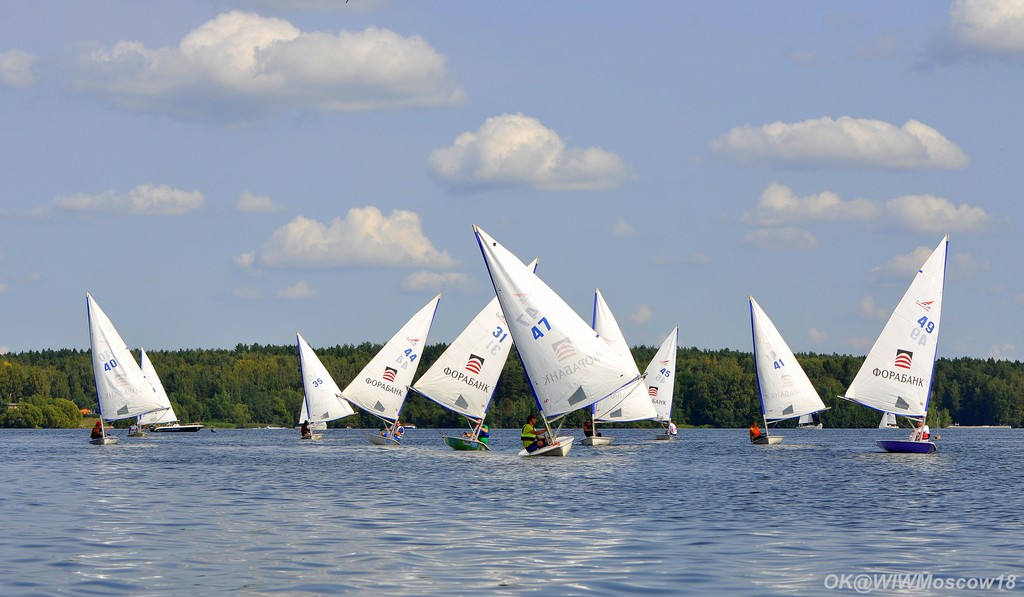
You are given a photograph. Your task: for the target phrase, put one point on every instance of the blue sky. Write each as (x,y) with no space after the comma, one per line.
(217,172)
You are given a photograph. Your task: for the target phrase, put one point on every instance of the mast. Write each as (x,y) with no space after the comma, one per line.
(757,375)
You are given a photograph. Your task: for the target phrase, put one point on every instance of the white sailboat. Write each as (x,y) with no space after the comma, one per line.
(160,421)
(888,421)
(321,401)
(463,378)
(660,380)
(896,376)
(122,390)
(304,416)
(629,404)
(381,386)
(567,366)
(811,421)
(783,387)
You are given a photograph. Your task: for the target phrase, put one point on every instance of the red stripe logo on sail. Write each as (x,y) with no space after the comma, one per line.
(474,364)
(926,305)
(787,381)
(652,391)
(903,359)
(564,349)
(389,374)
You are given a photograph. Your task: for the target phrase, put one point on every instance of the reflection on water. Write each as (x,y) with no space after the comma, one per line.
(259,512)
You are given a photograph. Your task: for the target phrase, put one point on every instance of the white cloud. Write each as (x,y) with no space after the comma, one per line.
(867,309)
(246,293)
(143,200)
(364,237)
(817,335)
(250,203)
(299,292)
(437,281)
(928,213)
(514,150)
(781,238)
(900,268)
(623,229)
(246,264)
(778,206)
(982,28)
(1003,352)
(845,141)
(17,69)
(641,315)
(241,65)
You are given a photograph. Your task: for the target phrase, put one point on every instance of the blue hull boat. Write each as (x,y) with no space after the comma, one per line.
(906,446)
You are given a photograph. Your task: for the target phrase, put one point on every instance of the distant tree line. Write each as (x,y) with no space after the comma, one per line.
(260,385)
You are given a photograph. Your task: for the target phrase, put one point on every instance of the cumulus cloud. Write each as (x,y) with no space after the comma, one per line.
(900,268)
(299,292)
(867,309)
(1003,352)
(817,335)
(781,238)
(364,237)
(982,29)
(641,315)
(17,69)
(778,206)
(844,142)
(928,213)
(143,200)
(623,229)
(250,203)
(246,264)
(437,281)
(514,150)
(242,65)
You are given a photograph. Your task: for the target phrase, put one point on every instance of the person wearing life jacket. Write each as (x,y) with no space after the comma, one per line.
(532,439)
(304,431)
(97,431)
(755,431)
(485,434)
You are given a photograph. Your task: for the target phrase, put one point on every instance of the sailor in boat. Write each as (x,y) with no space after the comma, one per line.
(97,431)
(922,433)
(671,428)
(532,439)
(588,429)
(304,430)
(133,429)
(484,437)
(399,432)
(755,431)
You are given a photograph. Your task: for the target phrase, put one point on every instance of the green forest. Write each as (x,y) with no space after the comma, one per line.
(256,385)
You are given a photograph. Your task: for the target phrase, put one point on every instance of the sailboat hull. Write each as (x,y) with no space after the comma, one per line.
(597,441)
(906,446)
(561,447)
(664,437)
(137,434)
(464,444)
(175,428)
(313,437)
(379,440)
(103,441)
(767,441)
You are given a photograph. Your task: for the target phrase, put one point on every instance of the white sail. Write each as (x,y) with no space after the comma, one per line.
(785,390)
(160,416)
(567,365)
(888,421)
(381,386)
(322,401)
(462,379)
(660,377)
(121,388)
(631,403)
(897,373)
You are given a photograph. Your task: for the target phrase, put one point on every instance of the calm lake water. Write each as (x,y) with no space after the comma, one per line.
(257,512)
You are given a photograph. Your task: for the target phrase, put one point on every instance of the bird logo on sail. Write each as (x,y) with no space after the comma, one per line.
(903,358)
(564,349)
(652,391)
(389,374)
(926,305)
(474,364)
(413,341)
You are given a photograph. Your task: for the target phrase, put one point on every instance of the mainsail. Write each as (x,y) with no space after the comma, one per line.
(567,365)
(660,377)
(785,390)
(632,403)
(380,387)
(322,401)
(121,388)
(896,376)
(160,416)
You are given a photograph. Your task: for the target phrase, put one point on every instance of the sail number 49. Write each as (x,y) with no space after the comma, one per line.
(920,333)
